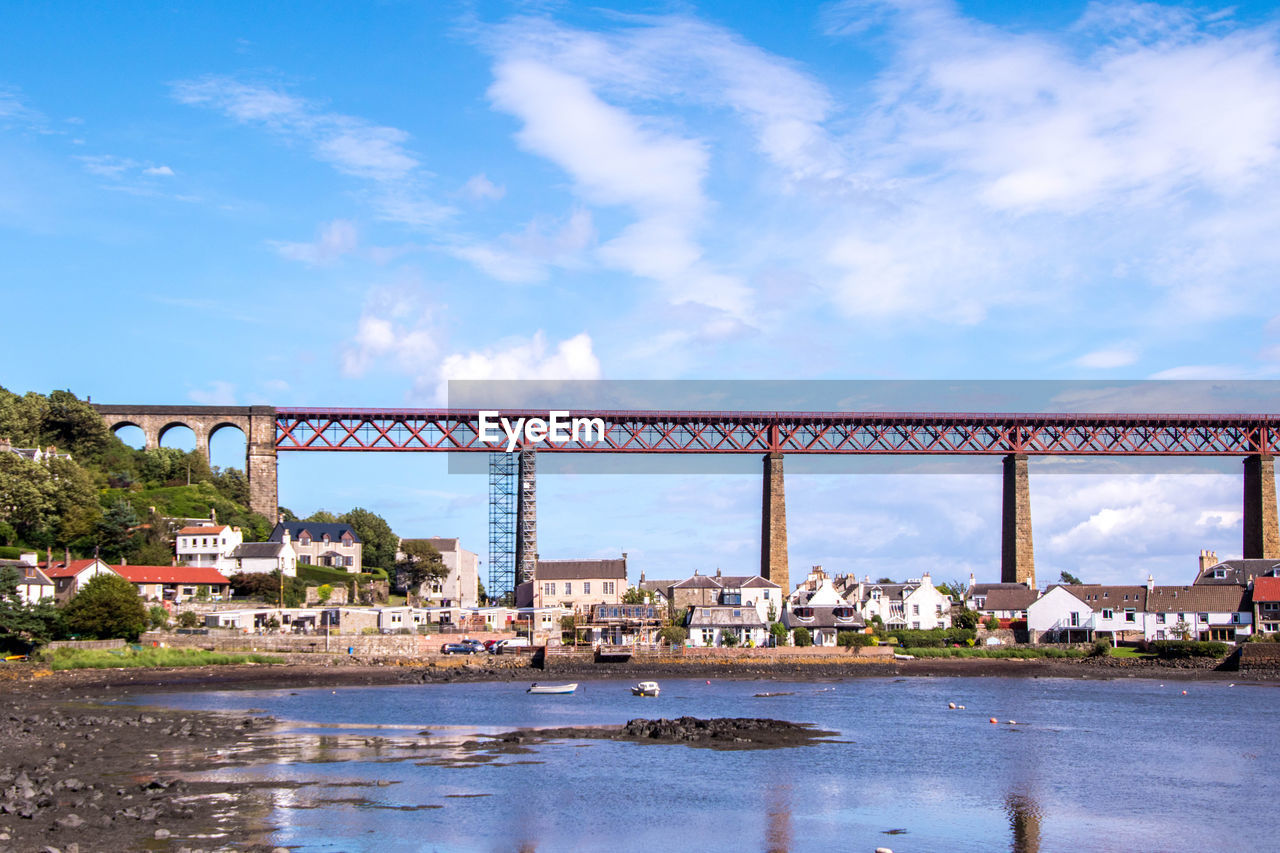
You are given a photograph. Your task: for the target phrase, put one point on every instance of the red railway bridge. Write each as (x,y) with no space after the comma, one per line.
(772,435)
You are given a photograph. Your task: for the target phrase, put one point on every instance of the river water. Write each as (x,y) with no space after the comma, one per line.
(1125,765)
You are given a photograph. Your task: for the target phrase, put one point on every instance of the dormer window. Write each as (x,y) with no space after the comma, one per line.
(1219,573)
(803,612)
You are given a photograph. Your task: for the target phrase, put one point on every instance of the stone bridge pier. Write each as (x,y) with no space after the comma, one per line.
(257,423)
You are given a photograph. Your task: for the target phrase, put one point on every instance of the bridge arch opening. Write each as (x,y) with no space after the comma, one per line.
(131,434)
(177,435)
(227,445)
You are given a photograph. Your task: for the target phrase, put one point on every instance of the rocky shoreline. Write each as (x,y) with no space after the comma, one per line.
(81,773)
(715,733)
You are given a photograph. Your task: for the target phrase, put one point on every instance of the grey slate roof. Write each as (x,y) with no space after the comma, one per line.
(1010,599)
(1238,572)
(725,616)
(1100,597)
(824,616)
(316,529)
(1206,598)
(259,550)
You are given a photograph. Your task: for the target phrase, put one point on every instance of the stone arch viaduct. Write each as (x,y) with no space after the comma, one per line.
(257,423)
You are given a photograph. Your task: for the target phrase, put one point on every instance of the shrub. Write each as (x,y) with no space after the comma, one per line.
(673,635)
(854,639)
(188,619)
(803,637)
(1101,648)
(779,632)
(1176,649)
(159,616)
(992,623)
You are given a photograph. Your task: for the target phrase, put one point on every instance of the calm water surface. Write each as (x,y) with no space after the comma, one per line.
(1127,764)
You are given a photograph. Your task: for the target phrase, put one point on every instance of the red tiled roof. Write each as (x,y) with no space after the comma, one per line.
(67,570)
(171,574)
(201,531)
(1266,589)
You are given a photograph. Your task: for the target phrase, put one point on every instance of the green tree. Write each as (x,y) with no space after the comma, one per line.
(379,543)
(115,530)
(322,516)
(74,426)
(74,499)
(107,607)
(1067,577)
(286,514)
(885,580)
(23,625)
(728,638)
(26,495)
(779,632)
(421,563)
(992,623)
(803,637)
(847,639)
(159,616)
(188,619)
(232,484)
(963,617)
(635,595)
(324,592)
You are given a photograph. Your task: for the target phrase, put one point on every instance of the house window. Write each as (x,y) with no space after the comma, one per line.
(939,613)
(568,587)
(1159,618)
(737,614)
(1108,614)
(915,610)
(1075,619)
(1219,573)
(1130,616)
(608,587)
(1235,617)
(915,626)
(1204,617)
(709,636)
(350,561)
(548,589)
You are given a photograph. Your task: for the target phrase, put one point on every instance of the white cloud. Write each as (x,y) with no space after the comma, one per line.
(1108,358)
(336,239)
(217,393)
(158,171)
(118,168)
(480,188)
(532,358)
(397,330)
(1199,371)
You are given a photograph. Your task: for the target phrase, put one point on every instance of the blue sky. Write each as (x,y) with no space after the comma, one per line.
(352,204)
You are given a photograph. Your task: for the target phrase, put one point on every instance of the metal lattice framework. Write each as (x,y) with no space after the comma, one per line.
(502,526)
(798,432)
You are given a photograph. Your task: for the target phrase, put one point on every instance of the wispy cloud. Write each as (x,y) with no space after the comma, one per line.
(351,145)
(336,239)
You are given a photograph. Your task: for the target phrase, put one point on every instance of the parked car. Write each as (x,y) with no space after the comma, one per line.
(489,644)
(503,646)
(476,645)
(457,649)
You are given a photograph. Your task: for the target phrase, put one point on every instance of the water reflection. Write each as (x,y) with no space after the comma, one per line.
(1024,823)
(777,834)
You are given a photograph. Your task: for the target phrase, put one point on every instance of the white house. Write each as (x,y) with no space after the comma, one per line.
(70,575)
(916,604)
(709,625)
(1059,616)
(210,545)
(266,557)
(33,584)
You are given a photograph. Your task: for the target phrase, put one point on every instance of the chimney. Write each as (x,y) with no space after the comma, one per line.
(284,536)
(213,515)
(280,518)
(1151,583)
(1207,559)
(29,558)
(926,579)
(642,577)
(717,572)
(66,555)
(123,562)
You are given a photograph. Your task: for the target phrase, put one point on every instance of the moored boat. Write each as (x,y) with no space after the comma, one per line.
(552,688)
(645,688)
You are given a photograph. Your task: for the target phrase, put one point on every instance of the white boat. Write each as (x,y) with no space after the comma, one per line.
(645,688)
(552,688)
(904,657)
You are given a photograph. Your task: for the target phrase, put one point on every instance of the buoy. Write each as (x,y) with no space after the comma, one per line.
(1184,693)
(994,720)
(961,707)
(1012,722)
(951,705)
(883,850)
(708,682)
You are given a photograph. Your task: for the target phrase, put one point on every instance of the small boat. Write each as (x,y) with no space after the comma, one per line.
(645,688)
(552,688)
(904,657)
